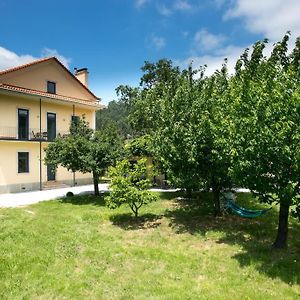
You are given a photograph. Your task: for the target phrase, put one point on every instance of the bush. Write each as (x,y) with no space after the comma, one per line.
(69,194)
(129,185)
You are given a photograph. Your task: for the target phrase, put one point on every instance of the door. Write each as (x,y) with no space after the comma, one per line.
(23,124)
(51,126)
(50,173)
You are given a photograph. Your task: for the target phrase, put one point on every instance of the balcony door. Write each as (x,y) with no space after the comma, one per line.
(50,173)
(23,124)
(51,126)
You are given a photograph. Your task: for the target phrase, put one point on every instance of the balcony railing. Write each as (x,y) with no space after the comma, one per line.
(33,134)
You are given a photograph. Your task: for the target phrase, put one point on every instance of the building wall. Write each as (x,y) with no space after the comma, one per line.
(9,113)
(36,76)
(10,179)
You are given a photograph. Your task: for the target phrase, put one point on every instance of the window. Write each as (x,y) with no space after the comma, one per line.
(23,124)
(51,126)
(75,119)
(23,162)
(51,87)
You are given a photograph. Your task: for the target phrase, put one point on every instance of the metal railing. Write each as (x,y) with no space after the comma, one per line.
(33,134)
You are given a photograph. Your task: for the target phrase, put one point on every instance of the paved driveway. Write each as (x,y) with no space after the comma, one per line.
(26,198)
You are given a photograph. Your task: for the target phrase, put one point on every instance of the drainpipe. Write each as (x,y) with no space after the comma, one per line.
(74,179)
(41,187)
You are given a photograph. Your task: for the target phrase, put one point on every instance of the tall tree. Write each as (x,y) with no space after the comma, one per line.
(194,139)
(267,117)
(188,118)
(86,151)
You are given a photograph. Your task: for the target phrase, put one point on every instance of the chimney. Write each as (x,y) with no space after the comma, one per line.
(82,75)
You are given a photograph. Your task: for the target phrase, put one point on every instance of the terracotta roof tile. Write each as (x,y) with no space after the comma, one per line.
(23,90)
(43,60)
(25,65)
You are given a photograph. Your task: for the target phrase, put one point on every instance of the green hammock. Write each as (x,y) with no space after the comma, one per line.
(243,212)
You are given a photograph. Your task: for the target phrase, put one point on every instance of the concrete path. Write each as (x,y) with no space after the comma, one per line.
(26,198)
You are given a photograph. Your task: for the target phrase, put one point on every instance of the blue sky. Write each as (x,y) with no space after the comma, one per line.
(113,38)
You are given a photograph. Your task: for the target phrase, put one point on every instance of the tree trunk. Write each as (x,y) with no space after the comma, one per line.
(216,200)
(134,209)
(282,232)
(189,193)
(96,182)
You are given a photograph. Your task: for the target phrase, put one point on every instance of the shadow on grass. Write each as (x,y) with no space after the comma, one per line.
(128,222)
(166,195)
(253,236)
(195,216)
(85,199)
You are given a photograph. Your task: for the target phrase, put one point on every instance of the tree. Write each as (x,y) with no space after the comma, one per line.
(194,138)
(140,146)
(144,114)
(115,114)
(106,146)
(129,185)
(267,115)
(189,121)
(85,151)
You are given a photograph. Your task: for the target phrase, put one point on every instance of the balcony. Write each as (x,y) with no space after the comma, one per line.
(33,134)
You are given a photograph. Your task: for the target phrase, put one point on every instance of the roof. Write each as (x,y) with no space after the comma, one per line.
(9,87)
(38,61)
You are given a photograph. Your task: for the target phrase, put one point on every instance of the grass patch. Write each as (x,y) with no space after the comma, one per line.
(77,248)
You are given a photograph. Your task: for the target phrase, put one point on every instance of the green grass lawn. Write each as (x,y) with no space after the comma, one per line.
(77,248)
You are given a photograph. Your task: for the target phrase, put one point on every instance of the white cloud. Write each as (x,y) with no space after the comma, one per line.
(53,52)
(177,6)
(164,10)
(10,59)
(141,3)
(204,41)
(214,62)
(158,42)
(182,5)
(272,18)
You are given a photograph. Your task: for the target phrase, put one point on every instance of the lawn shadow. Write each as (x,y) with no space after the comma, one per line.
(85,199)
(169,195)
(253,236)
(127,221)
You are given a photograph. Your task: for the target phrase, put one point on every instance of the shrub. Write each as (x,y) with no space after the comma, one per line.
(129,185)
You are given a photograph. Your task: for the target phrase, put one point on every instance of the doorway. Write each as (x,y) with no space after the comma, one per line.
(50,173)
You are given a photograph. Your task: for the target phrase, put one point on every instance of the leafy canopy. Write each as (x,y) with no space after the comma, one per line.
(129,185)
(86,151)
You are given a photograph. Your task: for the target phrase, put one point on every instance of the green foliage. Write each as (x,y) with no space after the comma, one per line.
(266,93)
(140,146)
(189,123)
(116,114)
(86,151)
(106,146)
(80,127)
(68,152)
(214,131)
(129,185)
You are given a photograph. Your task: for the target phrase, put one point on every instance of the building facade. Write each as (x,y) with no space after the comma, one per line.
(38,101)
